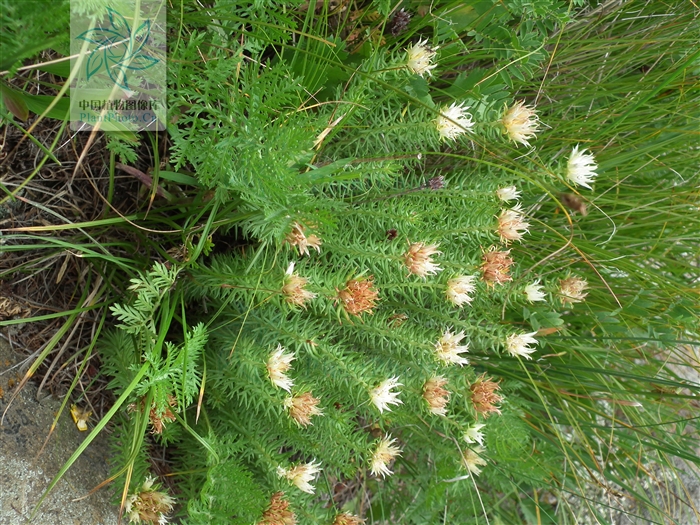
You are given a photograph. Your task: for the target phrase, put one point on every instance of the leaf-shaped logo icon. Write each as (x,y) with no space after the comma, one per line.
(118,49)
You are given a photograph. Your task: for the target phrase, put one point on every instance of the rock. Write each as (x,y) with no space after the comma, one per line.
(25,473)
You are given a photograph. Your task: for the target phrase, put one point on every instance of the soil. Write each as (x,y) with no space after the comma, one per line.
(26,470)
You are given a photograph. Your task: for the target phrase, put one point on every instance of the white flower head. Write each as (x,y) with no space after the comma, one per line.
(297,237)
(508,193)
(472,460)
(384,454)
(419,57)
(453,121)
(301,475)
(447,349)
(302,408)
(521,123)
(382,396)
(294,288)
(436,396)
(418,259)
(278,364)
(572,289)
(474,434)
(148,504)
(581,168)
(459,290)
(535,292)
(517,344)
(512,225)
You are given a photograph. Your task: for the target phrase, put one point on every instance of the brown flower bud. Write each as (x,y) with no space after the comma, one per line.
(484,396)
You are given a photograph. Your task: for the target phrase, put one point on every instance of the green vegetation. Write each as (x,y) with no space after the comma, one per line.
(365,281)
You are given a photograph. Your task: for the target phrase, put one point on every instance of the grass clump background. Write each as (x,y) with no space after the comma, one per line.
(413,263)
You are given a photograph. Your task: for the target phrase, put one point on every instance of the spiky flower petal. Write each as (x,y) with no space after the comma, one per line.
(447,349)
(301,475)
(453,121)
(277,512)
(472,460)
(419,57)
(294,289)
(511,225)
(521,123)
(302,408)
(382,396)
(572,290)
(418,259)
(148,505)
(159,418)
(484,396)
(474,434)
(298,238)
(508,193)
(517,344)
(345,518)
(535,292)
(384,454)
(459,290)
(278,364)
(581,168)
(496,267)
(436,396)
(359,296)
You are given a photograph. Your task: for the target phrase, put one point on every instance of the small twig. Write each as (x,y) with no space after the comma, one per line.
(145,179)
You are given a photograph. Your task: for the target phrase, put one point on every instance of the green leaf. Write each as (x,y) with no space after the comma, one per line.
(179,178)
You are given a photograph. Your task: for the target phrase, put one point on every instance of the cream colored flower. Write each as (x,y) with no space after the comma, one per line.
(472,460)
(447,349)
(517,344)
(302,408)
(301,475)
(521,123)
(534,292)
(572,290)
(382,396)
(148,505)
(298,238)
(384,454)
(459,290)
(453,121)
(418,259)
(419,57)
(436,396)
(508,193)
(581,168)
(277,512)
(511,225)
(345,518)
(278,364)
(294,289)
(474,434)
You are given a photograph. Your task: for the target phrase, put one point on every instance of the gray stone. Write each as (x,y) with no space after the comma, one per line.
(25,473)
